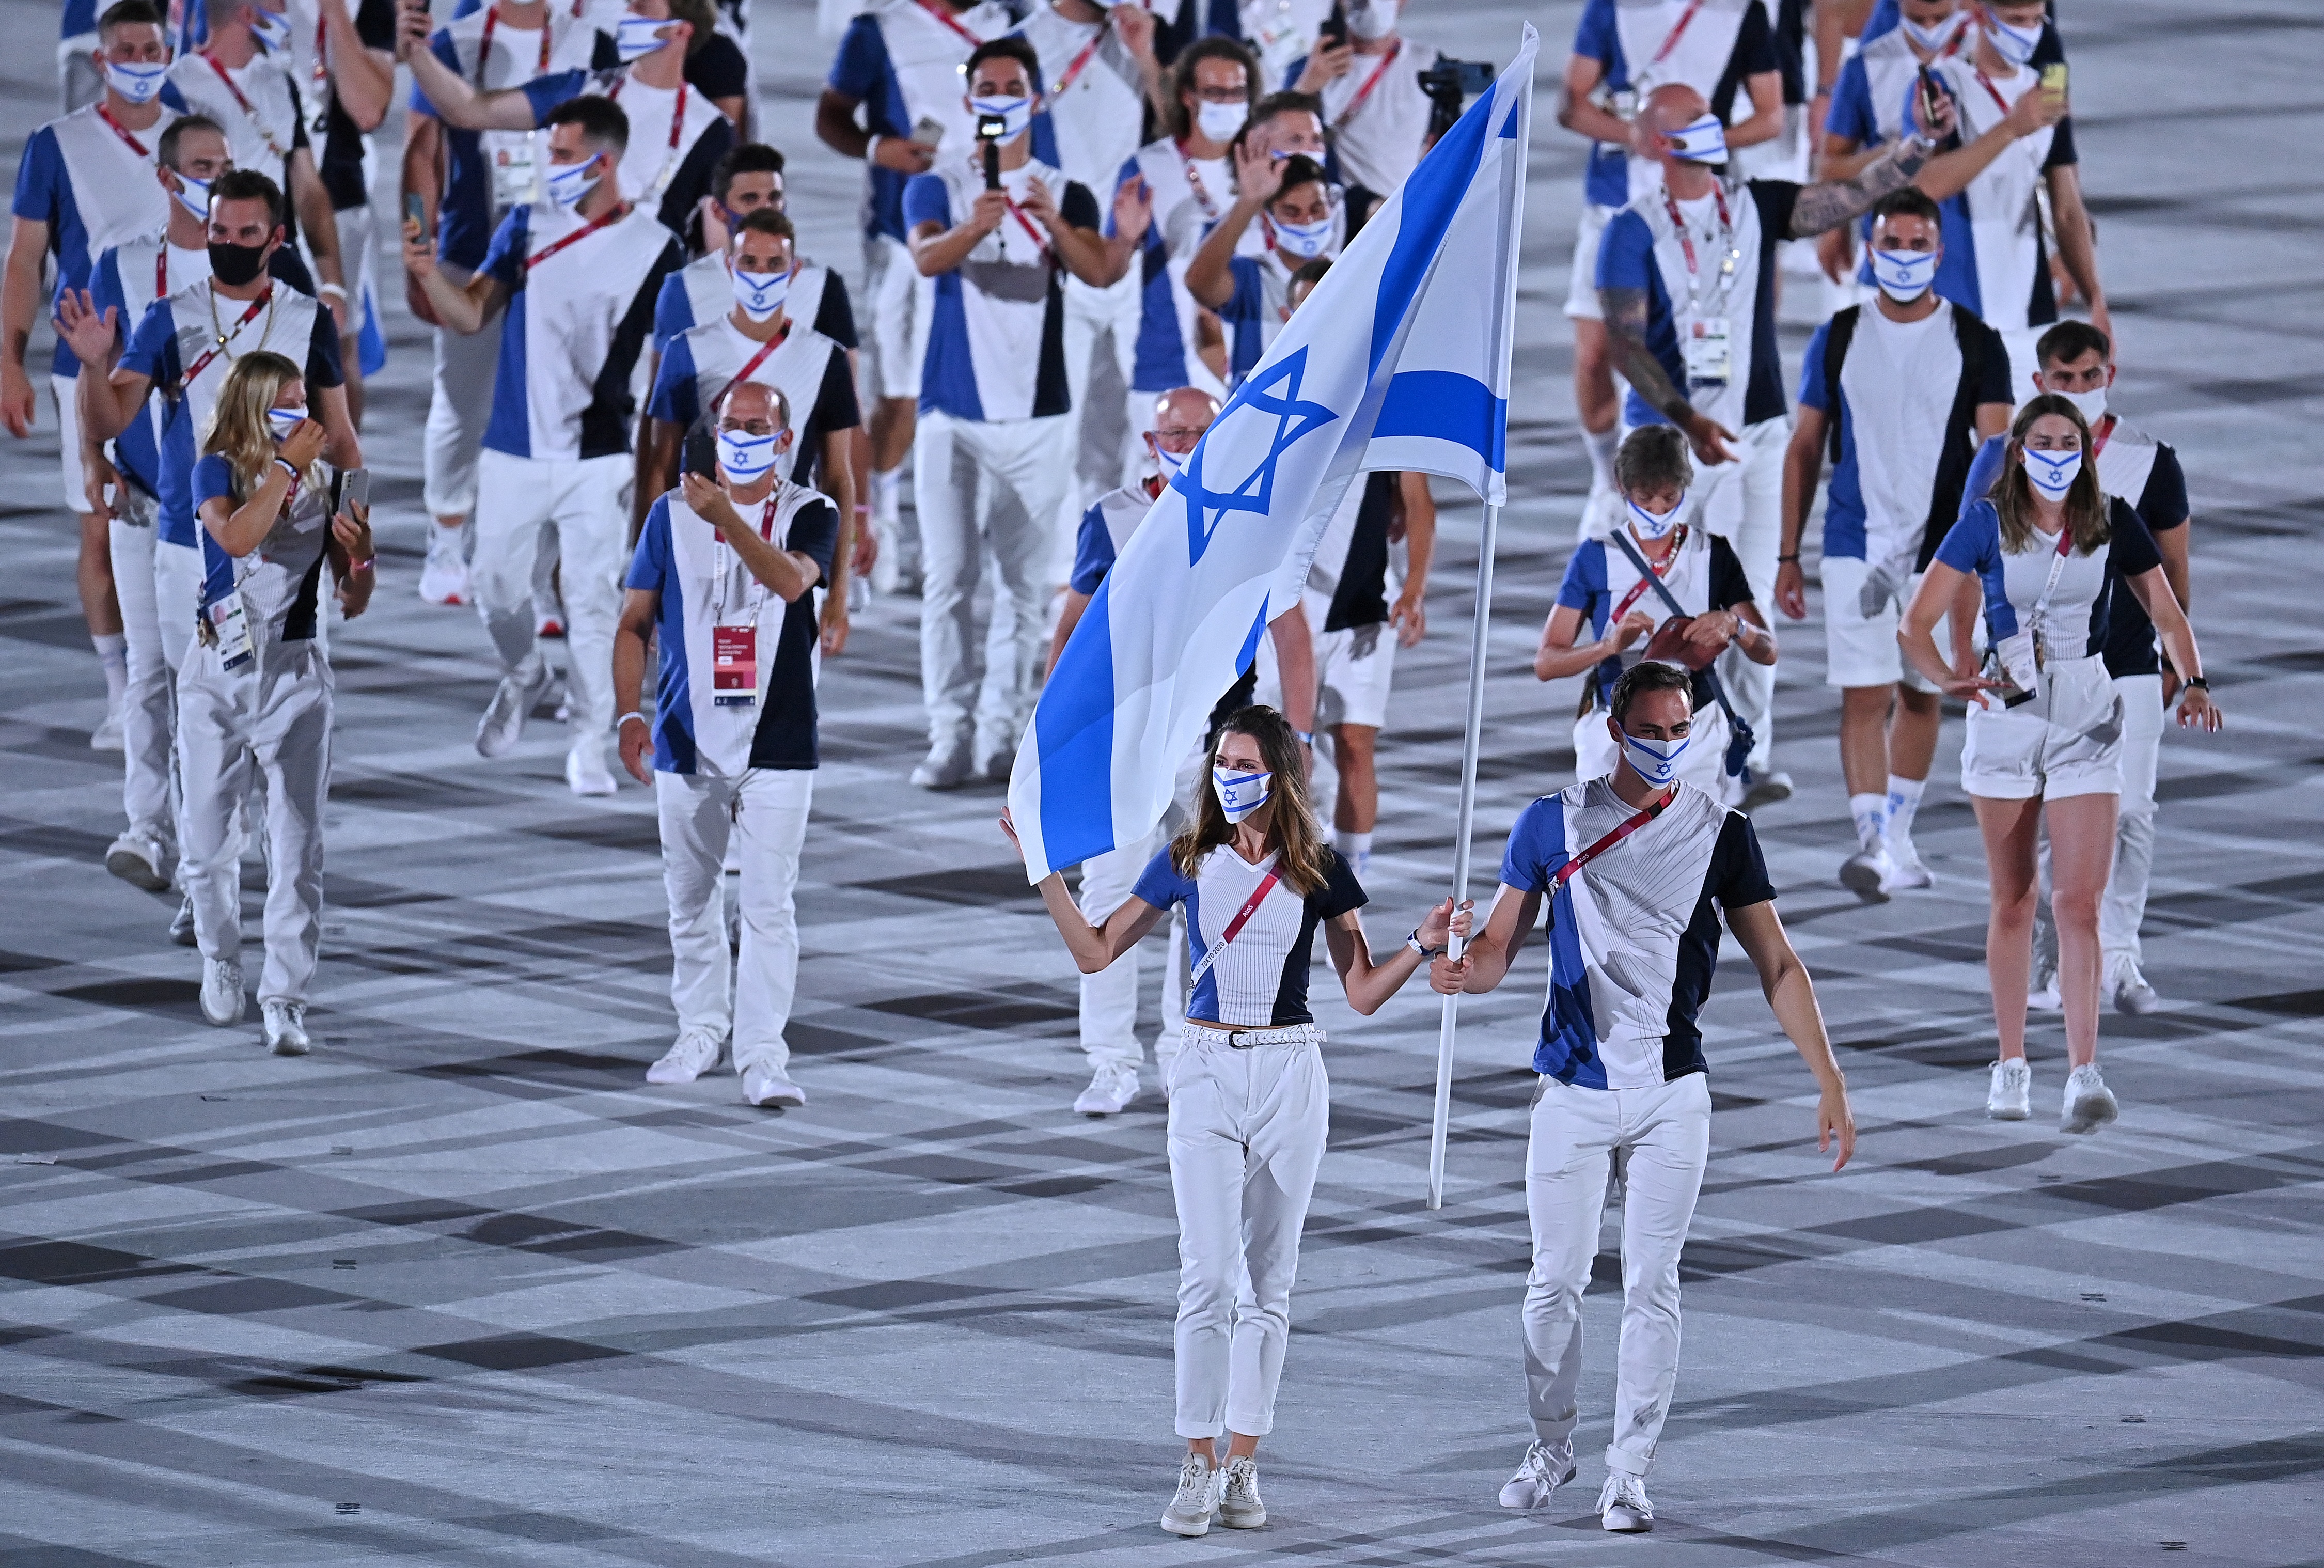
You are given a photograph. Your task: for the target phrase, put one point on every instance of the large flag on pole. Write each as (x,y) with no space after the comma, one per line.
(1399,359)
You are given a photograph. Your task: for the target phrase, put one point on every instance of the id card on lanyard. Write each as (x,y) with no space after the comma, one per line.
(227,628)
(734,648)
(1706,331)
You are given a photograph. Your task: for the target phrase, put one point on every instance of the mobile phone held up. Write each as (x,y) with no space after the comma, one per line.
(415,212)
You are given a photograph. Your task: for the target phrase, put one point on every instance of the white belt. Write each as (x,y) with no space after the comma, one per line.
(1242,1039)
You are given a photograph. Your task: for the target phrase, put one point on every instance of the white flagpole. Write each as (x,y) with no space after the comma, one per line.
(1480,634)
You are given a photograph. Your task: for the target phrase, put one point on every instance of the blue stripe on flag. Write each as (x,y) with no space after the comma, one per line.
(1432,193)
(1509,124)
(1074,727)
(1447,406)
(1251,643)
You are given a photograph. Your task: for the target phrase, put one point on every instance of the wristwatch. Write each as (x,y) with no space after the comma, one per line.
(1415,943)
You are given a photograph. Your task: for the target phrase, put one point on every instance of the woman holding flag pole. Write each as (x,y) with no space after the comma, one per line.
(1248,1099)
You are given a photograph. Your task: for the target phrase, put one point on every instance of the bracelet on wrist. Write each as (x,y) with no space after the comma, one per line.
(2198,683)
(626,718)
(872,150)
(284,464)
(1418,946)
(1305,737)
(363,565)
(1793,557)
(332,291)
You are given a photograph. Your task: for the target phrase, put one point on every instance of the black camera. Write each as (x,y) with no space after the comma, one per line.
(990,130)
(1450,84)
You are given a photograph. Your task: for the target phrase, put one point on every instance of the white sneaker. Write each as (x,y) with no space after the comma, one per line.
(1906,870)
(1200,1487)
(693,1053)
(585,773)
(1111,1088)
(444,576)
(138,859)
(512,703)
(1540,1472)
(1765,788)
(2011,1098)
(2089,1103)
(763,1084)
(107,737)
(222,991)
(945,768)
(285,1023)
(2132,994)
(1239,1507)
(182,924)
(1866,873)
(1623,1506)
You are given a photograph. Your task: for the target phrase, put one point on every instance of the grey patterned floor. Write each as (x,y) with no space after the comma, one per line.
(460,1287)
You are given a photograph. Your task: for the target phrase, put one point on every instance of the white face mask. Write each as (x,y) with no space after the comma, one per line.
(1240,794)
(271,28)
(1304,240)
(1372,19)
(2053,474)
(2015,44)
(194,196)
(1656,761)
(1934,38)
(1905,275)
(570,184)
(1703,141)
(761,294)
(633,36)
(745,457)
(2093,405)
(1015,113)
(137,84)
(1169,462)
(1651,525)
(1219,122)
(284,421)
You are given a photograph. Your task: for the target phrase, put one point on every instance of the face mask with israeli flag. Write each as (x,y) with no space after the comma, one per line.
(636,37)
(284,421)
(1656,761)
(1240,794)
(569,185)
(137,84)
(1653,525)
(271,28)
(194,196)
(760,294)
(1903,275)
(1934,38)
(743,456)
(2015,44)
(2053,472)
(1015,113)
(1702,142)
(1304,240)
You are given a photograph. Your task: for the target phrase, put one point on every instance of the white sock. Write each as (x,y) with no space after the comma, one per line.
(887,494)
(113,653)
(1870,813)
(1357,848)
(1903,800)
(1600,444)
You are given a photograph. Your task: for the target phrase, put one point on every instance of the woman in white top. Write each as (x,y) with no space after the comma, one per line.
(2050,550)
(1248,1101)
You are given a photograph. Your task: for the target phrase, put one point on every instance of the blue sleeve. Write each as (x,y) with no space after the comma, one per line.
(1128,172)
(649,562)
(1814,394)
(324,368)
(1160,885)
(1974,543)
(1851,112)
(673,398)
(505,259)
(213,477)
(441,46)
(1537,846)
(1625,254)
(1585,576)
(861,64)
(1250,296)
(1983,470)
(152,351)
(106,294)
(38,178)
(1093,552)
(545,93)
(673,311)
(1595,36)
(927,200)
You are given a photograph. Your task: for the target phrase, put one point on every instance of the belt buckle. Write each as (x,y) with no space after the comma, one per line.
(1235,1041)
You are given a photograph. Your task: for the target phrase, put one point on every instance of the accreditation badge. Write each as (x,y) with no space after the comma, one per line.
(734,666)
(1709,360)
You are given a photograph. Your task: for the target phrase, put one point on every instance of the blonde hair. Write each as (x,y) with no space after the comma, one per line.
(1301,857)
(238,430)
(2013,493)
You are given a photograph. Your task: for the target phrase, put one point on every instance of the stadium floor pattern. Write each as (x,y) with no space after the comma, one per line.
(461,1287)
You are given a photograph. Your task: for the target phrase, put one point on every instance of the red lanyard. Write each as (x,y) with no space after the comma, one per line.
(1676,32)
(322,73)
(1639,587)
(243,103)
(485,44)
(161,272)
(1040,241)
(582,233)
(1372,81)
(122,131)
(1073,71)
(677,112)
(1985,82)
(757,593)
(1685,240)
(199,365)
(1559,878)
(945,19)
(1195,183)
(756,360)
(2098,438)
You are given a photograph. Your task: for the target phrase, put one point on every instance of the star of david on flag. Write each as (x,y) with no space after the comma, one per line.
(1398,359)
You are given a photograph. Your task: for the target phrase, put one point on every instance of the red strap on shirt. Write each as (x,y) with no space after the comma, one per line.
(122,131)
(485,44)
(161,272)
(1250,907)
(945,19)
(1685,240)
(1677,31)
(2098,436)
(756,360)
(212,351)
(1073,71)
(676,113)
(1564,873)
(1372,81)
(1985,82)
(582,233)
(1639,586)
(248,111)
(1040,240)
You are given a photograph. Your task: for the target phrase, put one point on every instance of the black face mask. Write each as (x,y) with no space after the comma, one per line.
(235,265)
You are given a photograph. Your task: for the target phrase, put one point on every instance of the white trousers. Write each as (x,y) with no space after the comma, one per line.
(1246,1139)
(1022,467)
(1100,340)
(268,723)
(764,814)
(2123,909)
(1662,1138)
(1743,503)
(147,702)
(460,406)
(586,501)
(177,596)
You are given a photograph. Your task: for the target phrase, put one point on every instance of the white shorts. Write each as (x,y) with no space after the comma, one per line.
(1862,651)
(894,323)
(1581,290)
(76,481)
(1353,669)
(2066,741)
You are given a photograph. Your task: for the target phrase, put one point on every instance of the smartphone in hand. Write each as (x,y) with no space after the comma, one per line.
(415,211)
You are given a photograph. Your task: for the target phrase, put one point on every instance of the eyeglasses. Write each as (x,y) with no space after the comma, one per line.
(1180,433)
(1238,94)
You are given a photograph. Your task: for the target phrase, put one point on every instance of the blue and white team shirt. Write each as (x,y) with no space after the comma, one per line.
(2077,621)
(703,290)
(281,581)
(575,327)
(1872,106)
(94,186)
(176,347)
(1190,195)
(1260,980)
(996,336)
(128,279)
(470,210)
(1634,934)
(903,63)
(1378,114)
(1721,43)
(1644,249)
(2008,262)
(1704,575)
(1260,305)
(1105,530)
(703,583)
(1895,487)
(677,136)
(2145,472)
(257,106)
(1093,105)
(807,367)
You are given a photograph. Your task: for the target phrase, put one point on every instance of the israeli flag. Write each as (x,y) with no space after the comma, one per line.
(1399,359)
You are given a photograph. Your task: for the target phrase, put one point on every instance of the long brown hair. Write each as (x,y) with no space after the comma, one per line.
(1301,855)
(2013,493)
(238,427)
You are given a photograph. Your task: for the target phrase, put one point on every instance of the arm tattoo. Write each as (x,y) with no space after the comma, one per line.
(1626,323)
(1833,202)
